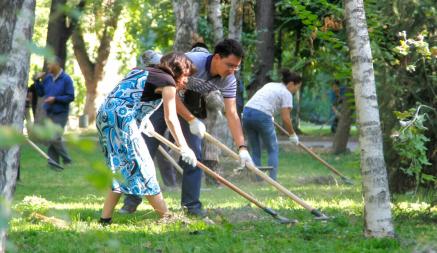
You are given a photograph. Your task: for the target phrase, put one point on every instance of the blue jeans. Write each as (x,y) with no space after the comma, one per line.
(258,126)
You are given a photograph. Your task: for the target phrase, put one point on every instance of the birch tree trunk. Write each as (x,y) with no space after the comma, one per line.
(265,13)
(187,13)
(377,212)
(16,28)
(215,17)
(94,71)
(236,20)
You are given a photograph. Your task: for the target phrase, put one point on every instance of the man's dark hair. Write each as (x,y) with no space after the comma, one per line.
(228,47)
(290,76)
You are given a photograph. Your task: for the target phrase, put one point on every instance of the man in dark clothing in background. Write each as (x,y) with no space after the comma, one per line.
(56,87)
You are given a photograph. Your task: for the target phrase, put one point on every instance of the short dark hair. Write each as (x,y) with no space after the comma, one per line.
(228,47)
(290,76)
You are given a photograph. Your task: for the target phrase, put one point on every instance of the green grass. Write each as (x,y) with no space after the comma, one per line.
(239,227)
(311,129)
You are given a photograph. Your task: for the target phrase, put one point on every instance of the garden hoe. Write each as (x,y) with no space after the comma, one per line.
(150,131)
(315,212)
(318,158)
(53,164)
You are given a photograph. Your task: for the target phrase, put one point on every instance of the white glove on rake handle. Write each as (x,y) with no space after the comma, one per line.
(244,158)
(197,127)
(294,139)
(188,156)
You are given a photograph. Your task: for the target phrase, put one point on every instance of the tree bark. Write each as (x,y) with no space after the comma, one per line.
(94,71)
(215,17)
(265,13)
(235,20)
(342,134)
(377,212)
(16,27)
(186,12)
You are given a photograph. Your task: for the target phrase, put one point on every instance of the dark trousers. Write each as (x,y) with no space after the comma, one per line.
(192,177)
(57,147)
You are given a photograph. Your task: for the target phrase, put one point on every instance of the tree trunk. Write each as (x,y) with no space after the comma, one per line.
(236,20)
(16,28)
(342,134)
(377,212)
(215,17)
(265,13)
(59,31)
(93,71)
(90,101)
(187,13)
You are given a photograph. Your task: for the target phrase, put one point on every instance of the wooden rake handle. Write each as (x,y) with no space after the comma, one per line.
(170,159)
(264,176)
(209,171)
(309,151)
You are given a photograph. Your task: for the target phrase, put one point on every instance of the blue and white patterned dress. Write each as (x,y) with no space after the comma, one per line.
(118,123)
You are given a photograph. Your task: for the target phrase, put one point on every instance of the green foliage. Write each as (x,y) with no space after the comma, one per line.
(410,143)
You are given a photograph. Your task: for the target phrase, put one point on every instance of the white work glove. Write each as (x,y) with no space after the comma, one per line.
(197,127)
(188,156)
(244,157)
(294,139)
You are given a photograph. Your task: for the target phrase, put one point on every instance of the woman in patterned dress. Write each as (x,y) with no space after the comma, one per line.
(121,120)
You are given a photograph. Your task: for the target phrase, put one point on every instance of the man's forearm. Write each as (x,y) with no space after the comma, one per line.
(236,129)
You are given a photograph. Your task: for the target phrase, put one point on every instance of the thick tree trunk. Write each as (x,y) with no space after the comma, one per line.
(90,102)
(236,20)
(377,212)
(94,71)
(342,134)
(16,27)
(186,12)
(59,30)
(265,13)
(215,17)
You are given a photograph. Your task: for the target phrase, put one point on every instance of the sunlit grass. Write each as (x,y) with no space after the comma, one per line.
(72,208)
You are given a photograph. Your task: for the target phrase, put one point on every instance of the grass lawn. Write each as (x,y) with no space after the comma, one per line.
(58,212)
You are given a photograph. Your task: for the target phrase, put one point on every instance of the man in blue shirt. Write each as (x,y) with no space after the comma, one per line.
(57,89)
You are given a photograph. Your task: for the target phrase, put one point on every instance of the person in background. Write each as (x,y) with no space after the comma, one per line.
(336,96)
(258,117)
(120,123)
(56,87)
